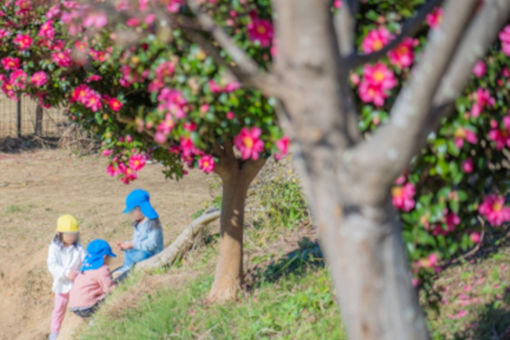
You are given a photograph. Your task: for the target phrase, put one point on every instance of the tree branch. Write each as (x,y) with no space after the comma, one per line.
(246,70)
(345,24)
(410,28)
(399,139)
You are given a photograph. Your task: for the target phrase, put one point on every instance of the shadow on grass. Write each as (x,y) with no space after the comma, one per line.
(29,143)
(296,262)
(493,322)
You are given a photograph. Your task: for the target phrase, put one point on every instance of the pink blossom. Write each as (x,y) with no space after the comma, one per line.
(462,134)
(482,98)
(111,169)
(403,55)
(232,86)
(165,70)
(62,58)
(479,69)
(3,33)
(23,41)
(494,210)
(172,101)
(206,163)
(137,162)
(504,36)
(475,236)
(47,31)
(377,81)
(214,87)
(249,143)
(283,146)
(460,314)
(260,30)
(174,5)
(114,103)
(187,147)
(24,6)
(430,261)
(468,166)
(39,78)
(95,19)
(230,115)
(9,63)
(402,196)
(452,220)
(435,18)
(337,3)
(128,174)
(53,12)
(375,40)
(107,152)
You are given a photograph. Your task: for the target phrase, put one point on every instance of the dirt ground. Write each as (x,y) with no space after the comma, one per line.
(37,187)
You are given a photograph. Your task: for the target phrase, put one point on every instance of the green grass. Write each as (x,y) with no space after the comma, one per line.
(297,306)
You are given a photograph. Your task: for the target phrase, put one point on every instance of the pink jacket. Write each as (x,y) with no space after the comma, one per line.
(91,286)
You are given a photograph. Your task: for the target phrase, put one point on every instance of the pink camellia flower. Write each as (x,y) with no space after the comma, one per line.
(93,77)
(93,101)
(460,314)
(337,3)
(62,58)
(111,169)
(80,93)
(435,18)
(468,166)
(476,237)
(95,19)
(107,152)
(187,147)
(249,143)
(39,78)
(129,175)
(377,81)
(23,41)
(482,98)
(494,210)
(172,101)
(214,87)
(375,40)
(9,63)
(164,128)
(403,55)
(18,79)
(114,103)
(402,196)
(452,220)
(230,115)
(430,261)
(232,86)
(504,37)
(479,69)
(47,31)
(206,163)
(174,5)
(260,30)
(24,6)
(283,146)
(137,162)
(462,134)
(3,33)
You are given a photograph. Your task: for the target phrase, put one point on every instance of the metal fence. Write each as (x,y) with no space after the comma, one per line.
(25,118)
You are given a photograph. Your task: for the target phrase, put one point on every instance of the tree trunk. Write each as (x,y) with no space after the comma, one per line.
(236,176)
(38,120)
(229,269)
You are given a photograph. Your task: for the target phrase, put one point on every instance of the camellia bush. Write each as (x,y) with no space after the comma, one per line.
(147,78)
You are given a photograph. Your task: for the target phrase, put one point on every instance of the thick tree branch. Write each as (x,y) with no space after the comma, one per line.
(345,24)
(410,28)
(398,140)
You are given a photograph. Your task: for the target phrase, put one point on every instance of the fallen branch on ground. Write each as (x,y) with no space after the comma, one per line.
(182,243)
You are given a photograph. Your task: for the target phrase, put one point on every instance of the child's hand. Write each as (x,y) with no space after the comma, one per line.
(119,245)
(127,245)
(72,275)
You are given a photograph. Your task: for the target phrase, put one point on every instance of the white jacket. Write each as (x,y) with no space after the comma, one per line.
(61,260)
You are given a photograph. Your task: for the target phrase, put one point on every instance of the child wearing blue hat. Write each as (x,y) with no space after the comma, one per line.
(148,235)
(94,280)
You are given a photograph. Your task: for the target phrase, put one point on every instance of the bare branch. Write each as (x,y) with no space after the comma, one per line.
(400,137)
(345,23)
(410,28)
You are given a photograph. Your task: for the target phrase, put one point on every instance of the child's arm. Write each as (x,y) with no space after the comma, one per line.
(58,271)
(105,280)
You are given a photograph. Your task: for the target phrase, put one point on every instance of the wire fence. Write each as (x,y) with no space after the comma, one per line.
(25,118)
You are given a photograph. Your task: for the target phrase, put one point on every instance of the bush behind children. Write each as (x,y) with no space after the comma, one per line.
(83,279)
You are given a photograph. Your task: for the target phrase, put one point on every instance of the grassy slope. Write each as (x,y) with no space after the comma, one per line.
(289,294)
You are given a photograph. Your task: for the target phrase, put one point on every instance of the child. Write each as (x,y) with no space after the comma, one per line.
(148,236)
(64,260)
(94,281)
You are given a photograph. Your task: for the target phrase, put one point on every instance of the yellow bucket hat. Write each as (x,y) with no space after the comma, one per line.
(67,224)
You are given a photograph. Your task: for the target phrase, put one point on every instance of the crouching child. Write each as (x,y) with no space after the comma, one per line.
(94,280)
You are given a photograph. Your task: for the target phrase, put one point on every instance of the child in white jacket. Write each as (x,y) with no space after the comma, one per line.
(64,261)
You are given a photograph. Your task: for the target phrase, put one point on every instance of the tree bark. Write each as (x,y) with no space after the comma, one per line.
(236,176)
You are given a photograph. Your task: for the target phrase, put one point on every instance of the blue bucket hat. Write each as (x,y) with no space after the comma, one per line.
(96,250)
(140,198)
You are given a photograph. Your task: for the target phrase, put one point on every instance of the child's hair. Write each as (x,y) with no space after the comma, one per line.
(57,239)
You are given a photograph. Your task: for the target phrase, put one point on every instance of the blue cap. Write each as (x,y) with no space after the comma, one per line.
(96,250)
(140,198)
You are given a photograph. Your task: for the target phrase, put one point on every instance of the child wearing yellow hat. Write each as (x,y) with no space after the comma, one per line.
(65,256)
